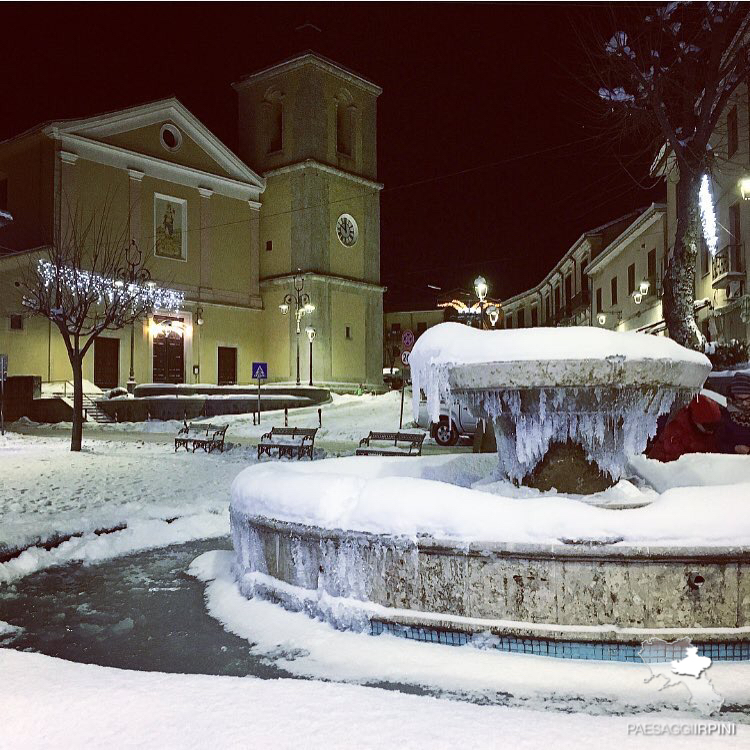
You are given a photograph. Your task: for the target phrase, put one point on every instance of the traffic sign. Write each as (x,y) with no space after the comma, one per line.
(260,370)
(407,340)
(3,366)
(405,358)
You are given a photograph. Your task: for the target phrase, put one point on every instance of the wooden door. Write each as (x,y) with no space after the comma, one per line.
(169,358)
(106,362)
(227,365)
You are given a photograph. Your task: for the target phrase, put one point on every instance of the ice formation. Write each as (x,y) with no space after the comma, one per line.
(610,426)
(600,389)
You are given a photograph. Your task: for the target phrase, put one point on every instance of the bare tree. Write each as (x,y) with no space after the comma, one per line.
(92,279)
(666,74)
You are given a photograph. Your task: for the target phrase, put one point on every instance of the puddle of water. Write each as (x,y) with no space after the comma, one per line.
(138,612)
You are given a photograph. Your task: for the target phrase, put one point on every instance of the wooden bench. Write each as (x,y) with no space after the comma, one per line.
(288,441)
(206,436)
(403,444)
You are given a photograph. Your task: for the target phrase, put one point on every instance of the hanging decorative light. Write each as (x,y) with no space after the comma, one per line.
(708,215)
(85,283)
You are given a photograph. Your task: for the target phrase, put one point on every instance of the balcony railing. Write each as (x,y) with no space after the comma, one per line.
(728,265)
(580,302)
(563,314)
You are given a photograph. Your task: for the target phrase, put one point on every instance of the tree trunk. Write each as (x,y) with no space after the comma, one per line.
(76,362)
(679,278)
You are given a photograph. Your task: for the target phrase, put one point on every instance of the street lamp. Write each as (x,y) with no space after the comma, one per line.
(302,307)
(310,331)
(481,288)
(132,273)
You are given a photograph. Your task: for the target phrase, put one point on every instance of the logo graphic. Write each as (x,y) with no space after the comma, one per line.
(678,663)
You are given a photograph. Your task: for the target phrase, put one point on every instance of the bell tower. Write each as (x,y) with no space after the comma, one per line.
(309,126)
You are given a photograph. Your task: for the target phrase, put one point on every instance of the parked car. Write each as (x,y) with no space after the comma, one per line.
(393,377)
(455,422)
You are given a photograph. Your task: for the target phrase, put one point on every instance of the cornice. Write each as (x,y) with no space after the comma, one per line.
(335,171)
(341,281)
(132,161)
(309,58)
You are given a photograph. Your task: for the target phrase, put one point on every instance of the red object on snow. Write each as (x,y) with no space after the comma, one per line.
(690,431)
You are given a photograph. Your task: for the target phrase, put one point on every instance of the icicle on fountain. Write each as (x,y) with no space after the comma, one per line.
(568,406)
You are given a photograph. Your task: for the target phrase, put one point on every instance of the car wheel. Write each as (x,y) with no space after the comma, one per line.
(446,433)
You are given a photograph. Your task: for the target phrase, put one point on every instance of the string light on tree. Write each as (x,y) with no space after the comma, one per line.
(85,283)
(708,216)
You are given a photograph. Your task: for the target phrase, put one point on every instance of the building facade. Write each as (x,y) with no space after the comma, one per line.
(230,231)
(564,296)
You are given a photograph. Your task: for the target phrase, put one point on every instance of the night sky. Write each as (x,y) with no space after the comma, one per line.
(493,156)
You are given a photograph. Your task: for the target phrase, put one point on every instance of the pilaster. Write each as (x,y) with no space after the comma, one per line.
(205,238)
(135,209)
(68,191)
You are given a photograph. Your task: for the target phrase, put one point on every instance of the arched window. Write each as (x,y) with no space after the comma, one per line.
(273,106)
(345,114)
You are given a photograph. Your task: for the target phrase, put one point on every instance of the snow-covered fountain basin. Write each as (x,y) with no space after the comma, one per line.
(568,405)
(433,544)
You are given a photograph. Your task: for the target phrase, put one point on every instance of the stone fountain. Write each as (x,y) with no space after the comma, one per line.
(419,547)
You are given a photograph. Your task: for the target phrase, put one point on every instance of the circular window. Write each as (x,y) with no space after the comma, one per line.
(171,138)
(346,230)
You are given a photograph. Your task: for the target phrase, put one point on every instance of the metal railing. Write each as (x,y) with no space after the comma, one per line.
(728,264)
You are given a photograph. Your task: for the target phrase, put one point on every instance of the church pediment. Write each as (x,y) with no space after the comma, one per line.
(167,131)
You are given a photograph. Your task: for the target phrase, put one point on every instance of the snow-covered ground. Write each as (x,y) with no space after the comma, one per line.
(47,492)
(55,703)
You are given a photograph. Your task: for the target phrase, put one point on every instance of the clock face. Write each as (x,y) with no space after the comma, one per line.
(346,230)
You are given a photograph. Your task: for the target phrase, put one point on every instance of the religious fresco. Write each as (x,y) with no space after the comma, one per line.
(170,225)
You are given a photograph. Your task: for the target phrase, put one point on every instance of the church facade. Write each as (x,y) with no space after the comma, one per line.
(231,231)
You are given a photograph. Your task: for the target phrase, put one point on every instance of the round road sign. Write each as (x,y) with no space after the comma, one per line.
(407,339)
(405,358)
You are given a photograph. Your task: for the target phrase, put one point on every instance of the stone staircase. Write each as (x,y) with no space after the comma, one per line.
(93,412)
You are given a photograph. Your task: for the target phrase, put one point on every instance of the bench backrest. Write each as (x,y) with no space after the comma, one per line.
(205,429)
(415,438)
(294,431)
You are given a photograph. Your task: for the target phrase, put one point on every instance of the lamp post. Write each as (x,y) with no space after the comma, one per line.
(481,288)
(132,273)
(310,331)
(302,307)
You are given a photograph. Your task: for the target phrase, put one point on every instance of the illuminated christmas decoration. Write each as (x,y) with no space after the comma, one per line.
(128,293)
(708,216)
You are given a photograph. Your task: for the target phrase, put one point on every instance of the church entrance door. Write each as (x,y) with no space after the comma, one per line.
(169,350)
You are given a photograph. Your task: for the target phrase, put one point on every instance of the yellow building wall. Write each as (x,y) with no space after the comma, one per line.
(348,355)
(276,226)
(100,194)
(232,327)
(277,332)
(147,140)
(230,244)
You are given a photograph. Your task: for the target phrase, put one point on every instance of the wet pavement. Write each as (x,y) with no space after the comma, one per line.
(139,612)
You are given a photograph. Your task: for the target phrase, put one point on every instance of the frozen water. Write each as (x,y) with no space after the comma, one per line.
(610,424)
